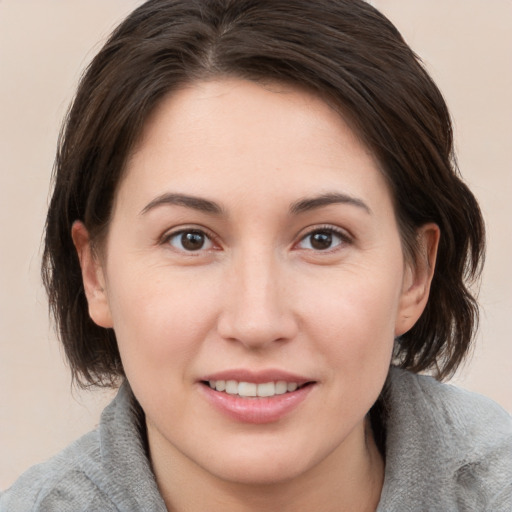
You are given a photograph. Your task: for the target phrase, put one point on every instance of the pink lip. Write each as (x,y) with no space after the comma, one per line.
(256,410)
(258,377)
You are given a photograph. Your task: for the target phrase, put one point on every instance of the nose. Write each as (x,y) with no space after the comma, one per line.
(257,306)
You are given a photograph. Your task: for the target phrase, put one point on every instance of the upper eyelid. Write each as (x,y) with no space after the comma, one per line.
(346,239)
(342,232)
(303,233)
(172,232)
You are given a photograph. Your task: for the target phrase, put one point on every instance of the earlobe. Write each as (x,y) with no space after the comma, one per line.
(92,276)
(418,278)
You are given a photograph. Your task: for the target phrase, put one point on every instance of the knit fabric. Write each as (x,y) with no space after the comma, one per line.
(446,450)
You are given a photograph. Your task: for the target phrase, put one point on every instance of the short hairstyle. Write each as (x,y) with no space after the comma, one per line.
(344,51)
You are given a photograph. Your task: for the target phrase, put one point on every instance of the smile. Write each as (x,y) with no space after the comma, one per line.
(256,398)
(253,390)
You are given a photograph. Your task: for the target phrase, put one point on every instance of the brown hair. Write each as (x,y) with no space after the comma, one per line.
(343,50)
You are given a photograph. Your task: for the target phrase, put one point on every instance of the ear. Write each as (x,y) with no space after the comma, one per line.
(417,279)
(92,276)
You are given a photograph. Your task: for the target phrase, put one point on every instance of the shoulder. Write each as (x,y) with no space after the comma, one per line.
(455,411)
(62,483)
(452,448)
(107,469)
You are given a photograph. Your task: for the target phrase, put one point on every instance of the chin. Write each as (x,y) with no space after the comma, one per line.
(262,466)
(265,473)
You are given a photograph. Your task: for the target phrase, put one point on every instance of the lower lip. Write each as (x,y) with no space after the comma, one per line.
(256,410)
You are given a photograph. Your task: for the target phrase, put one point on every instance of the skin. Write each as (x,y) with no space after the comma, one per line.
(257,295)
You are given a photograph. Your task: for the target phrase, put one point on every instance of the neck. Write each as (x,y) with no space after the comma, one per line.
(341,482)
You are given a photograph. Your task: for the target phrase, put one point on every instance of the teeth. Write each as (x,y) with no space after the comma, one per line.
(267,389)
(231,387)
(291,386)
(247,389)
(250,389)
(281,387)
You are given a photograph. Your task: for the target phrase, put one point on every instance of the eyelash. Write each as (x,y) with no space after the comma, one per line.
(343,236)
(211,238)
(208,237)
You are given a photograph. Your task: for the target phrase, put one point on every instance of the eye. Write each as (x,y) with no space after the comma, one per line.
(322,239)
(189,240)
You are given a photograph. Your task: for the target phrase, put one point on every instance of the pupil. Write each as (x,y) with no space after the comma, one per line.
(321,240)
(192,241)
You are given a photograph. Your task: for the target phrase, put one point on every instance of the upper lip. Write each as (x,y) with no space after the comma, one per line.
(257,377)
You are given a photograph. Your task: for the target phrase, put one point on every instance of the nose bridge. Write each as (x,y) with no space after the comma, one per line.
(256,310)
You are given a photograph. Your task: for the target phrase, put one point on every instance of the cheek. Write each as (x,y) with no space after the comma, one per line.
(160,318)
(353,318)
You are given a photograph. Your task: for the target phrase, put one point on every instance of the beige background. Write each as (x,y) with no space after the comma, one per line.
(44,45)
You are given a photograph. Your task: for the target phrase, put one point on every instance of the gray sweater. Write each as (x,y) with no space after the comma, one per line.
(446,450)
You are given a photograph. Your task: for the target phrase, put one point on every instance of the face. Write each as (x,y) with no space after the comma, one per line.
(253,250)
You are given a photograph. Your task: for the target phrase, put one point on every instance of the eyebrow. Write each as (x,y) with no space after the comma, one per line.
(311,203)
(208,206)
(197,203)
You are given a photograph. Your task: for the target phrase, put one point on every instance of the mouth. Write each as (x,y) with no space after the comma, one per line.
(257,397)
(245,389)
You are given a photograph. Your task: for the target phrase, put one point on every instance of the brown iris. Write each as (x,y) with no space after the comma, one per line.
(321,240)
(192,240)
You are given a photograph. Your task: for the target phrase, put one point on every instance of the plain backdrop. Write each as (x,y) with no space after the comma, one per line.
(45,44)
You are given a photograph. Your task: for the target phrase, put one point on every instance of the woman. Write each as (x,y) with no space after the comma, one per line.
(257,230)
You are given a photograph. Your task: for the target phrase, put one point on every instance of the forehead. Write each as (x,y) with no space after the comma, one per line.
(242,136)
